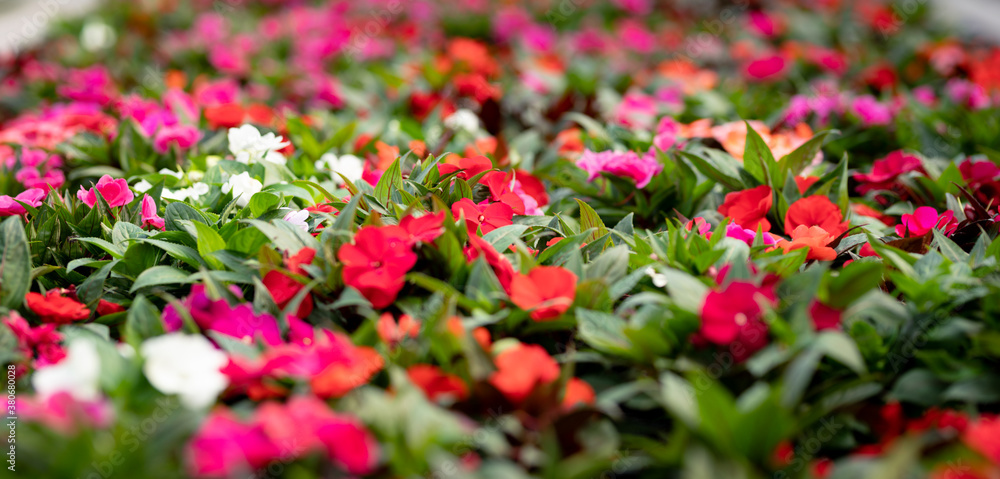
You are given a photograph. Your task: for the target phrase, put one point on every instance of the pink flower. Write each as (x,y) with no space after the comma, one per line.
(184,136)
(923,220)
(114,191)
(149,216)
(30,177)
(766,68)
(627,164)
(747,236)
(734,317)
(64,413)
(32,197)
(871,112)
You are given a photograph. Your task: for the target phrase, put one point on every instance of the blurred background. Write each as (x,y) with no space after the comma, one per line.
(24,22)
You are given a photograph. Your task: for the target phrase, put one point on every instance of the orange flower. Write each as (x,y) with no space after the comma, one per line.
(578,392)
(437,384)
(816,210)
(521,368)
(812,237)
(392,332)
(547,291)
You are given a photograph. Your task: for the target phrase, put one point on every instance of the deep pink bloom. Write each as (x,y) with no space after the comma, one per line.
(766,68)
(64,413)
(748,236)
(43,340)
(924,219)
(149,216)
(871,112)
(183,136)
(885,171)
(627,164)
(825,317)
(115,191)
(32,197)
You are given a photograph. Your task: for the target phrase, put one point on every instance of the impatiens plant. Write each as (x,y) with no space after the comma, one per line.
(501,239)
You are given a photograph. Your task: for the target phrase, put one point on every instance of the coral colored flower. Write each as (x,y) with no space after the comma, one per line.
(377,262)
(749,208)
(483,217)
(467,168)
(284,289)
(813,237)
(149,216)
(295,262)
(578,392)
(392,332)
(521,368)
(436,384)
(31,196)
(114,191)
(56,308)
(923,220)
(983,436)
(862,209)
(546,291)
(350,368)
(824,317)
(816,210)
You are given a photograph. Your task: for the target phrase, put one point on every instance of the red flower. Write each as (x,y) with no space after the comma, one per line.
(862,209)
(486,218)
(284,288)
(522,367)
(983,436)
(437,384)
(532,186)
(749,208)
(824,317)
(547,291)
(229,115)
(498,184)
(804,182)
(377,262)
(105,308)
(886,170)
(423,229)
(816,210)
(466,167)
(501,267)
(55,308)
(43,340)
(733,317)
(305,256)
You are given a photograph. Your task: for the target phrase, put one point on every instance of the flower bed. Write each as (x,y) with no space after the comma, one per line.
(504,239)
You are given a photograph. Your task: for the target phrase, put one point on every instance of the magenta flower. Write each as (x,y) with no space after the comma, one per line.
(747,236)
(114,191)
(149,216)
(871,112)
(624,164)
(183,136)
(32,197)
(923,220)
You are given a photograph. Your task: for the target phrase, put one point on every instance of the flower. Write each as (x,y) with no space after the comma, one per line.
(114,191)
(350,166)
(748,236)
(766,68)
(923,220)
(983,436)
(824,317)
(186,365)
(733,317)
(149,216)
(749,208)
(522,367)
(77,374)
(871,112)
(377,262)
(243,187)
(546,291)
(466,167)
(182,136)
(31,196)
(483,217)
(392,332)
(298,218)
(423,229)
(436,384)
(816,210)
(577,392)
(624,164)
(813,237)
(462,120)
(885,172)
(284,289)
(43,341)
(56,308)
(249,146)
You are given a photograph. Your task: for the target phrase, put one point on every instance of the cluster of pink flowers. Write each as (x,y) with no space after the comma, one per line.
(629,164)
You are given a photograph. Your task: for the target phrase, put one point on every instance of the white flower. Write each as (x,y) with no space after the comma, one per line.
(143,186)
(298,218)
(77,374)
(185,365)
(175,174)
(348,165)
(659,279)
(248,145)
(464,120)
(192,193)
(243,187)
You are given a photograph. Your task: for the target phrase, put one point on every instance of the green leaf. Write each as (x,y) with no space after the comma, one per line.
(757,156)
(143,321)
(793,163)
(261,203)
(390,181)
(159,275)
(839,346)
(590,219)
(15,263)
(603,331)
(177,211)
(504,236)
(181,252)
(209,241)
